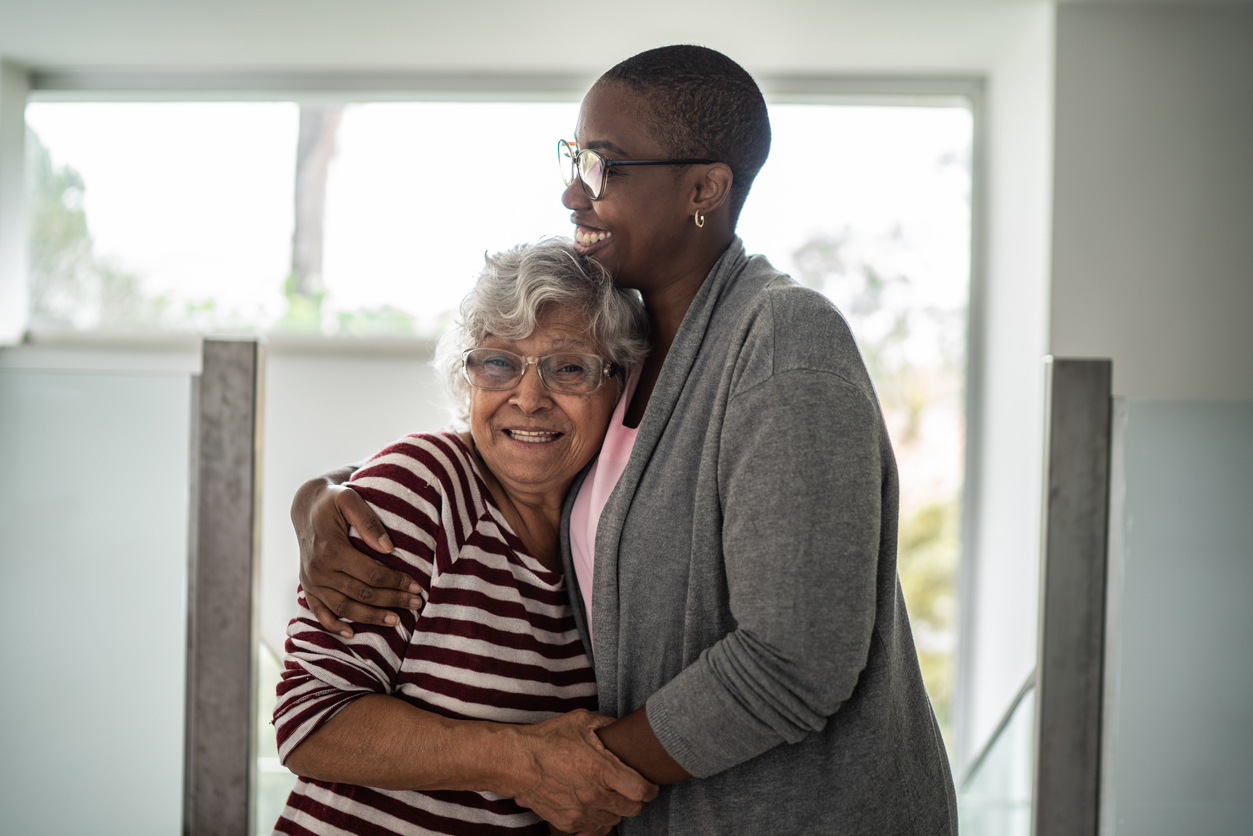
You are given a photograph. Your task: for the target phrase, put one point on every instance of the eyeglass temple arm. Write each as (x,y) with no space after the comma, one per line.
(609,162)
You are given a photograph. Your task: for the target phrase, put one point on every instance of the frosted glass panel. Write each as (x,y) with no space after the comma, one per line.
(1183,712)
(93,558)
(995,799)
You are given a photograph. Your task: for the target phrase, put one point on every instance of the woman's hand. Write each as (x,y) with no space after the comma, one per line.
(339,581)
(570,779)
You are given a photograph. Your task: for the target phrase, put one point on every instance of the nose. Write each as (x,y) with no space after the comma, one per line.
(574,197)
(530,394)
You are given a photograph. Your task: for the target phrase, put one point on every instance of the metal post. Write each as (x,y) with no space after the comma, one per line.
(222,582)
(1072,599)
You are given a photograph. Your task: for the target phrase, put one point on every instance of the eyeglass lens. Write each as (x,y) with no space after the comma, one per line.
(588,166)
(570,373)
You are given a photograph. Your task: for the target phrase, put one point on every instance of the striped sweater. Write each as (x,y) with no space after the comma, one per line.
(496,640)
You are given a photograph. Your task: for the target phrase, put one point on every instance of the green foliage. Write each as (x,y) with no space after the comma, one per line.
(304,308)
(61,258)
(307,314)
(379,322)
(71,286)
(927,556)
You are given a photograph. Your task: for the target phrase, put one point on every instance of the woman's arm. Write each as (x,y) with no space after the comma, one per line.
(339,581)
(802,482)
(556,768)
(635,743)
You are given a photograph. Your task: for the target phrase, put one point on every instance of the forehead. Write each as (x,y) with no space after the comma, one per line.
(613,118)
(556,329)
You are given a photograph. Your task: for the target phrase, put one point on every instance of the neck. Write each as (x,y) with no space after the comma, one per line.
(667,304)
(667,301)
(534,513)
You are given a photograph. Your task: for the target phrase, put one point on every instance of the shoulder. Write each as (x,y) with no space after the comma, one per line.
(436,460)
(785,327)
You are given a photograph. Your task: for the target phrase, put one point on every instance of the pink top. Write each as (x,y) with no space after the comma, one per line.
(594,493)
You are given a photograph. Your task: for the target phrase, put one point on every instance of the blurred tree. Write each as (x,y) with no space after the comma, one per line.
(315,147)
(70,285)
(61,258)
(304,289)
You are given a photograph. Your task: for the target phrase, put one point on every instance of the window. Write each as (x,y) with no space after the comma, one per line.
(204,216)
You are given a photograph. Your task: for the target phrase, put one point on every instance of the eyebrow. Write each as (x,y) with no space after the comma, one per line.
(558,343)
(604,145)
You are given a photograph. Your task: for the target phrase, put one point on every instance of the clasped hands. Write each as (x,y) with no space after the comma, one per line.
(572,781)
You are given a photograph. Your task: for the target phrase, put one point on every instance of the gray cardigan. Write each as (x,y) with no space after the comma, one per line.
(745,580)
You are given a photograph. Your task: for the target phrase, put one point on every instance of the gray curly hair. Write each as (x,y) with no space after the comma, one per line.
(514,290)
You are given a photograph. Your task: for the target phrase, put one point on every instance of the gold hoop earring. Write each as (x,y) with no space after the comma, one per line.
(699,220)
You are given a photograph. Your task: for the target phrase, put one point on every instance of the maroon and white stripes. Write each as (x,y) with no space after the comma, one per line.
(496,640)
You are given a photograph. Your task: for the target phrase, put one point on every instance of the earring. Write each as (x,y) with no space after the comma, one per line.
(700,220)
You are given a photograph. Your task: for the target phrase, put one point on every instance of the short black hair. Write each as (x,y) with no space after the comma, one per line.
(706,106)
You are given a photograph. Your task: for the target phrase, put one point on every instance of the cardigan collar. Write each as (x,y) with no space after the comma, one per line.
(661,405)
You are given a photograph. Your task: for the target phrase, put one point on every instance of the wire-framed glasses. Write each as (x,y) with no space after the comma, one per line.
(592,170)
(569,373)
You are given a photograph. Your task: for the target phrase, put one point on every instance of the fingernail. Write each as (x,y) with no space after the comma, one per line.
(346,633)
(390,619)
(386,543)
(415,588)
(415,603)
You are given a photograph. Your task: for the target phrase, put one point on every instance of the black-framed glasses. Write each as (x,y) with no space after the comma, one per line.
(568,372)
(592,170)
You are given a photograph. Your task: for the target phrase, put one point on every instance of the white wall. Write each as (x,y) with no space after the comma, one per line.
(503,35)
(1009,340)
(1153,213)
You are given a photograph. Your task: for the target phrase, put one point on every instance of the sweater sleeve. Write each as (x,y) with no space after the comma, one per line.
(323,672)
(801,475)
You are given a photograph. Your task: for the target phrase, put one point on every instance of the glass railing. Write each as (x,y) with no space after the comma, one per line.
(93,510)
(274,782)
(994,799)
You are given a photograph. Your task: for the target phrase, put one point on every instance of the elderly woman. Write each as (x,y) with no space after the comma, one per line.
(459,716)
(736,551)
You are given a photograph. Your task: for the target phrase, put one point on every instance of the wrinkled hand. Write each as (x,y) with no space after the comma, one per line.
(339,581)
(571,780)
(600,831)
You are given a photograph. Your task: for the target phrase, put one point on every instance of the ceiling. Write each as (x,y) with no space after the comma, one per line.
(497,35)
(242,41)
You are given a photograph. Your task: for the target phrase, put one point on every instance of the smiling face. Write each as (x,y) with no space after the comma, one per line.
(641,220)
(532,439)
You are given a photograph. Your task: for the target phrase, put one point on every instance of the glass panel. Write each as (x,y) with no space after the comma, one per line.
(995,798)
(274,782)
(1181,723)
(94,515)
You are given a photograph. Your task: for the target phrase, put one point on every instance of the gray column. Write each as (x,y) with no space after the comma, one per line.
(222,583)
(1072,598)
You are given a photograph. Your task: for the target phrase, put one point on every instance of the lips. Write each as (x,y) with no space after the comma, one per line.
(533,436)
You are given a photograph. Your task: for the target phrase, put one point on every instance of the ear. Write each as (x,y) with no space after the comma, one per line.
(712,187)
